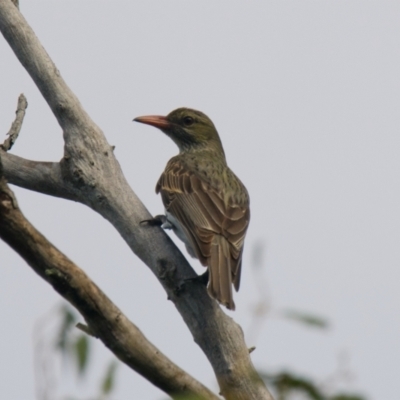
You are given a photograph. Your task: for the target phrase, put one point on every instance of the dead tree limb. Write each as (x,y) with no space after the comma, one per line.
(89,173)
(16,125)
(106,321)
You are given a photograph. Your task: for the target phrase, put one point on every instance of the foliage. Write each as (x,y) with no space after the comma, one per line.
(310,320)
(81,349)
(108,382)
(285,382)
(287,385)
(75,348)
(68,321)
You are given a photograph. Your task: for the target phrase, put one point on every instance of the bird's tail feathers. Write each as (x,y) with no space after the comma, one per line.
(220,281)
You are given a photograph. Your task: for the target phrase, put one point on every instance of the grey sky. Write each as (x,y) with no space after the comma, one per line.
(306,98)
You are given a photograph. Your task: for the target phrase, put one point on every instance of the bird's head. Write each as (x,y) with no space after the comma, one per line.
(189,129)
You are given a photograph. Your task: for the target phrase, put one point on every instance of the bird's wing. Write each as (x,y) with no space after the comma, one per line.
(208,219)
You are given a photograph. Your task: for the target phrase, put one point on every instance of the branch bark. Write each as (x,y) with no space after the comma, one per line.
(106,321)
(89,173)
(17,124)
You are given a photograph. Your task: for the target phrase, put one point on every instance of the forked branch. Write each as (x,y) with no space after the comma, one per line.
(89,173)
(104,318)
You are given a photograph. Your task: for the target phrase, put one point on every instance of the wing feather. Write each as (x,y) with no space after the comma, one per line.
(214,225)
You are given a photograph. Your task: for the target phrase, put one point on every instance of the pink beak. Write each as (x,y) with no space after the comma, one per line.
(155,120)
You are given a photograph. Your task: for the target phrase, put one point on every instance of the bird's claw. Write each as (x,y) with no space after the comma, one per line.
(203,278)
(158,220)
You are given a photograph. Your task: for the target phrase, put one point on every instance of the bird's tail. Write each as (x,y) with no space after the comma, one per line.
(219,265)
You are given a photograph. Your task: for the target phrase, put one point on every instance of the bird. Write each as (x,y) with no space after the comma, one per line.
(206,204)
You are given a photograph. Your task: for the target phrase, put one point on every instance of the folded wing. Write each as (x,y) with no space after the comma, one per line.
(214,222)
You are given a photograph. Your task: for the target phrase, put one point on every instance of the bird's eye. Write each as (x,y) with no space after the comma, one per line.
(188,121)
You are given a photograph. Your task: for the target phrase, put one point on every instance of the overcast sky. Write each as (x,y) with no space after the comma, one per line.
(306,98)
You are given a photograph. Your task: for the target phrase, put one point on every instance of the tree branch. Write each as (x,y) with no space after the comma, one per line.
(92,174)
(43,177)
(17,124)
(104,318)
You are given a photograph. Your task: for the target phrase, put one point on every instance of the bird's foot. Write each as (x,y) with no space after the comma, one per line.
(203,278)
(158,220)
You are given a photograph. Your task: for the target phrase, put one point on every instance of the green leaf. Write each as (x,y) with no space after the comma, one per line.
(68,320)
(344,396)
(108,382)
(306,319)
(286,382)
(82,353)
